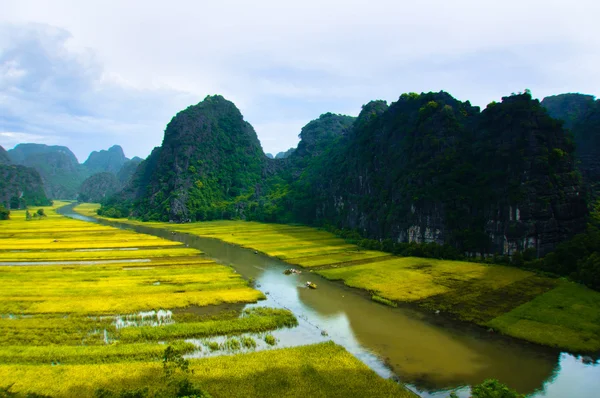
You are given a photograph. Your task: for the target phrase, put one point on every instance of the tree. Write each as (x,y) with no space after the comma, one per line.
(494,389)
(4,213)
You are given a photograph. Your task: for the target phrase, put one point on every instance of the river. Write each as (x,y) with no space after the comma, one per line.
(428,353)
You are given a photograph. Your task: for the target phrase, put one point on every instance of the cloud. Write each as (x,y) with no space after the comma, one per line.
(116,69)
(52,94)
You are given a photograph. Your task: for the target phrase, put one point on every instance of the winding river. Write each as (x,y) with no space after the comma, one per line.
(428,353)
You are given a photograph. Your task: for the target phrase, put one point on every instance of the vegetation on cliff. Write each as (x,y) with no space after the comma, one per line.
(426,169)
(581,115)
(98,187)
(20,187)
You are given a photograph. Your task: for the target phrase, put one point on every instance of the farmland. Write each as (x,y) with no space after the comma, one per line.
(83,305)
(507,299)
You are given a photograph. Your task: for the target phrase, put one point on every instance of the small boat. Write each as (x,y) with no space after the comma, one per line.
(291,271)
(311,285)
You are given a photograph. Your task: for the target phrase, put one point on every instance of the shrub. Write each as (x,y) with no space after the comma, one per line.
(270,339)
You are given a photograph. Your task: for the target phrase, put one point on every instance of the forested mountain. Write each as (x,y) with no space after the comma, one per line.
(209,155)
(581,114)
(127,170)
(4,158)
(98,187)
(57,165)
(110,160)
(283,155)
(427,168)
(61,172)
(432,169)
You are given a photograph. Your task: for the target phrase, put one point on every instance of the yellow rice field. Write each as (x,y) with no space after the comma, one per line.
(489,295)
(66,285)
(323,370)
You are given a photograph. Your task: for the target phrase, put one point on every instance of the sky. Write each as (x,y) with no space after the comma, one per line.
(91,74)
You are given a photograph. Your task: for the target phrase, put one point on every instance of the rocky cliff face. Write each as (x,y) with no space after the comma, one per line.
(110,160)
(427,168)
(57,165)
(581,115)
(98,187)
(432,169)
(209,154)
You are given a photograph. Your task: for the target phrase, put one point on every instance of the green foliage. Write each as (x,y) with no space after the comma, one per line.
(576,258)
(4,213)
(270,339)
(427,156)
(248,342)
(494,389)
(21,187)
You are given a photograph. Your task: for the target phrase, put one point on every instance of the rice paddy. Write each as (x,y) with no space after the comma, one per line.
(500,297)
(323,370)
(85,306)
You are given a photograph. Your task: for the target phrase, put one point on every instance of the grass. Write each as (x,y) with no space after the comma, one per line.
(88,354)
(567,316)
(322,370)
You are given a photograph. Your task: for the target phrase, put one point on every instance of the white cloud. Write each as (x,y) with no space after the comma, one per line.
(136,63)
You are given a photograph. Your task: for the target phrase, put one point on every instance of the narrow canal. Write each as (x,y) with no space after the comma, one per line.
(428,353)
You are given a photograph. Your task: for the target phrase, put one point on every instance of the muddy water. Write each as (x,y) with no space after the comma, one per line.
(428,353)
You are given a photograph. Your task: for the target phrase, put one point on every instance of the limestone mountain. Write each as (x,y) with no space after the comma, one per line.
(111,160)
(581,115)
(4,158)
(209,155)
(57,165)
(283,155)
(127,170)
(427,168)
(98,187)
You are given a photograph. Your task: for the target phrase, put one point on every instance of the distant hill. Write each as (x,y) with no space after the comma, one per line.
(127,170)
(110,160)
(284,155)
(57,165)
(4,158)
(98,187)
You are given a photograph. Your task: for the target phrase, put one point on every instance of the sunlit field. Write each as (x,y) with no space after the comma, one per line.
(322,370)
(504,298)
(85,306)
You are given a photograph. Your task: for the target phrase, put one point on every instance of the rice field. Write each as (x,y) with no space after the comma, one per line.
(86,307)
(322,370)
(507,299)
